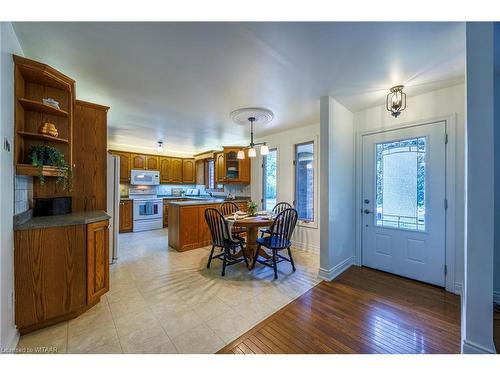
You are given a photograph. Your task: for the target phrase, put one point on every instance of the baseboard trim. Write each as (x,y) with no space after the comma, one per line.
(459,289)
(11,344)
(335,271)
(305,247)
(496,297)
(473,348)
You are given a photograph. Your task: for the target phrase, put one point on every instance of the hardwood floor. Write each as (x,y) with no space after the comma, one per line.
(496,328)
(362,311)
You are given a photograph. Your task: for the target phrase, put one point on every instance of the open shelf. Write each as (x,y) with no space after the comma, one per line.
(41,137)
(30,170)
(42,75)
(34,106)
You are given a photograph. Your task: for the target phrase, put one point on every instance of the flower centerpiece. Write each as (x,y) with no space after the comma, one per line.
(252,208)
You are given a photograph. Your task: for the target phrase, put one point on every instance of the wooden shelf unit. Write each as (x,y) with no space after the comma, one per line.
(41,137)
(34,81)
(30,170)
(40,107)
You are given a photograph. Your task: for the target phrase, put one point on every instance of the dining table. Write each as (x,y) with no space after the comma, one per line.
(252,225)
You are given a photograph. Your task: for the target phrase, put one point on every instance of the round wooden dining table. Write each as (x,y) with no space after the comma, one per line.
(252,225)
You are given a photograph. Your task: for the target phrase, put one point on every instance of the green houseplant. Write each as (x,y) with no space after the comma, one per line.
(252,208)
(43,155)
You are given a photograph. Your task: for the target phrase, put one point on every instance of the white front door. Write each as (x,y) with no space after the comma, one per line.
(403,205)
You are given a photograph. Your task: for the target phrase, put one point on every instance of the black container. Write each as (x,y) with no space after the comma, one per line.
(52,206)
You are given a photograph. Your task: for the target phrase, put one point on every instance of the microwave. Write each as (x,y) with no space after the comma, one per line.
(142,177)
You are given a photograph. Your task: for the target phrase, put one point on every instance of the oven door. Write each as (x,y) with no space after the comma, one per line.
(148,209)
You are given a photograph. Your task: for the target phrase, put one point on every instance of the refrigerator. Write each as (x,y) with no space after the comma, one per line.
(113,205)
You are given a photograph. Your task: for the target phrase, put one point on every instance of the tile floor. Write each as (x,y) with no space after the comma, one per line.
(163,301)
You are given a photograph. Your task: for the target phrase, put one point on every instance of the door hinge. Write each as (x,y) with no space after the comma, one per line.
(445,203)
(446,139)
(445,269)
(294,162)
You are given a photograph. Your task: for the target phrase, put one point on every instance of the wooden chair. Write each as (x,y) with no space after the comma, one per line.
(221,239)
(279,207)
(280,234)
(228,208)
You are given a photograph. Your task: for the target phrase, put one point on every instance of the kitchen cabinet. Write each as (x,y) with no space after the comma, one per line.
(138,161)
(176,170)
(126,216)
(220,167)
(124,165)
(60,271)
(89,157)
(200,172)
(188,171)
(165,169)
(97,260)
(165,213)
(230,169)
(152,162)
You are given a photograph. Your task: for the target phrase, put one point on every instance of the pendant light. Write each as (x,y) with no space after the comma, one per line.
(259,116)
(160,146)
(396,100)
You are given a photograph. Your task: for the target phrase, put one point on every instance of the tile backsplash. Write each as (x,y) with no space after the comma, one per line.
(23,194)
(237,190)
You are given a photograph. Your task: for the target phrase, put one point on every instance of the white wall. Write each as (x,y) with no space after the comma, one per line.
(337,185)
(477,310)
(438,103)
(9,45)
(305,237)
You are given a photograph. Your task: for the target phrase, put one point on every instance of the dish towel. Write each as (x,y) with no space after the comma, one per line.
(229,236)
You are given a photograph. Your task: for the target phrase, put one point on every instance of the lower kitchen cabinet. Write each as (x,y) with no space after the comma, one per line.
(59,272)
(165,213)
(97,260)
(126,216)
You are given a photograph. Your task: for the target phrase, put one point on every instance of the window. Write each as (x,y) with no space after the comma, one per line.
(400,190)
(269,184)
(304,181)
(210,165)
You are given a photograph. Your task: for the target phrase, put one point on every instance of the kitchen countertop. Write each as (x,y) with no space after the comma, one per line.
(199,202)
(26,221)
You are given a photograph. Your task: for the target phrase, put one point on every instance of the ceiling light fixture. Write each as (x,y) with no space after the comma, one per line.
(160,146)
(396,100)
(253,115)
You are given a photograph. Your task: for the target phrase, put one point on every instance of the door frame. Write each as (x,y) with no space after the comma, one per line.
(450,164)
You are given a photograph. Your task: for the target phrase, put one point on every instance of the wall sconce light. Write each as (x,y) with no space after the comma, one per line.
(396,100)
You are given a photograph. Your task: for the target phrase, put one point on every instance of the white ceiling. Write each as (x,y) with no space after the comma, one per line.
(178,82)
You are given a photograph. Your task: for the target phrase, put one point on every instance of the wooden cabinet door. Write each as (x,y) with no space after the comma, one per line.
(165,213)
(126,216)
(176,170)
(245,170)
(152,162)
(165,169)
(189,227)
(97,260)
(138,161)
(188,171)
(200,172)
(124,166)
(220,168)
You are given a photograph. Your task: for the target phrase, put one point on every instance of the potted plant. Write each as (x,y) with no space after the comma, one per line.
(252,208)
(43,155)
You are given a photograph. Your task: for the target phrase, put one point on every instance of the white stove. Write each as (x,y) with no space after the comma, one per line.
(148,209)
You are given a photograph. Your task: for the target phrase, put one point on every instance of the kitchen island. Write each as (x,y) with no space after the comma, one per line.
(187,228)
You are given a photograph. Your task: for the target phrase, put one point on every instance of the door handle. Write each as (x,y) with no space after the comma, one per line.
(367,211)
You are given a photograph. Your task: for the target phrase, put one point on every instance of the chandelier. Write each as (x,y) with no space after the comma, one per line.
(396,100)
(254,116)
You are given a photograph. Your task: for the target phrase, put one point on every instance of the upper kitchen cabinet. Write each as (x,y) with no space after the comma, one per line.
(89,134)
(188,171)
(43,102)
(124,165)
(176,170)
(165,169)
(138,161)
(153,162)
(230,169)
